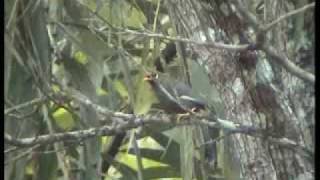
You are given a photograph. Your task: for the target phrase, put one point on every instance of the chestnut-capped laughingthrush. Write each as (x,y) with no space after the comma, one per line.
(176,97)
(173,96)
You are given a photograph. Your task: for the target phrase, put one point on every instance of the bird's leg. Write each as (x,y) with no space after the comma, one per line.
(181,116)
(192,111)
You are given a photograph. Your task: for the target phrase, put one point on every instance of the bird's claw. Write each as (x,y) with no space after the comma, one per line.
(181,116)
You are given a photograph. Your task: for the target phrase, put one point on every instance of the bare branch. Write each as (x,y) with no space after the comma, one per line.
(288,15)
(247,15)
(22,154)
(288,65)
(160,119)
(131,121)
(126,124)
(24,105)
(269,50)
(185,40)
(218,45)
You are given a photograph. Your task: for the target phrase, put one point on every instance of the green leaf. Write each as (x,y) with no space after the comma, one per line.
(81,57)
(131,161)
(63,119)
(121,88)
(122,171)
(101,92)
(144,97)
(161,172)
(136,18)
(47,166)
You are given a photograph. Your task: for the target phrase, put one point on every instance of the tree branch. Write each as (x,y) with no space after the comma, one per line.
(270,50)
(123,122)
(160,119)
(230,47)
(247,15)
(289,65)
(217,45)
(24,105)
(292,13)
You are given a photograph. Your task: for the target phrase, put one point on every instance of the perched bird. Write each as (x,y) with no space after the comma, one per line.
(174,96)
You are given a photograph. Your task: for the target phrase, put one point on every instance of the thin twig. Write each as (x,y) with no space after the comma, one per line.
(289,65)
(24,105)
(138,156)
(9,150)
(269,50)
(288,15)
(247,15)
(185,40)
(22,154)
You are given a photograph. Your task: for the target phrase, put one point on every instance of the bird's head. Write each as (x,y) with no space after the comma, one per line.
(151,77)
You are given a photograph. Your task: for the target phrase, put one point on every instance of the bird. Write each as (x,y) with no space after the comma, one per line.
(174,96)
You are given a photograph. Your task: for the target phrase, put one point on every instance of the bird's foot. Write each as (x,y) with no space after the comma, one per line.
(183,116)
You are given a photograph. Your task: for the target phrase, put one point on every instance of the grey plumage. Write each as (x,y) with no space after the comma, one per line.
(174,96)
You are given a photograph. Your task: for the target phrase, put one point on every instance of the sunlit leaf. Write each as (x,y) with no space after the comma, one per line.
(55,88)
(63,119)
(101,92)
(136,18)
(131,161)
(81,57)
(30,168)
(120,87)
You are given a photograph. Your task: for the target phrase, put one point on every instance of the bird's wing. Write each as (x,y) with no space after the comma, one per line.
(182,89)
(183,92)
(167,97)
(192,101)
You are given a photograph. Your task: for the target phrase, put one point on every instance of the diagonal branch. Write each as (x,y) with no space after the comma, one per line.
(24,105)
(289,65)
(288,15)
(270,50)
(160,119)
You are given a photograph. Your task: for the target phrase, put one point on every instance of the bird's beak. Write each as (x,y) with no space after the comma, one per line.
(150,77)
(147,78)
